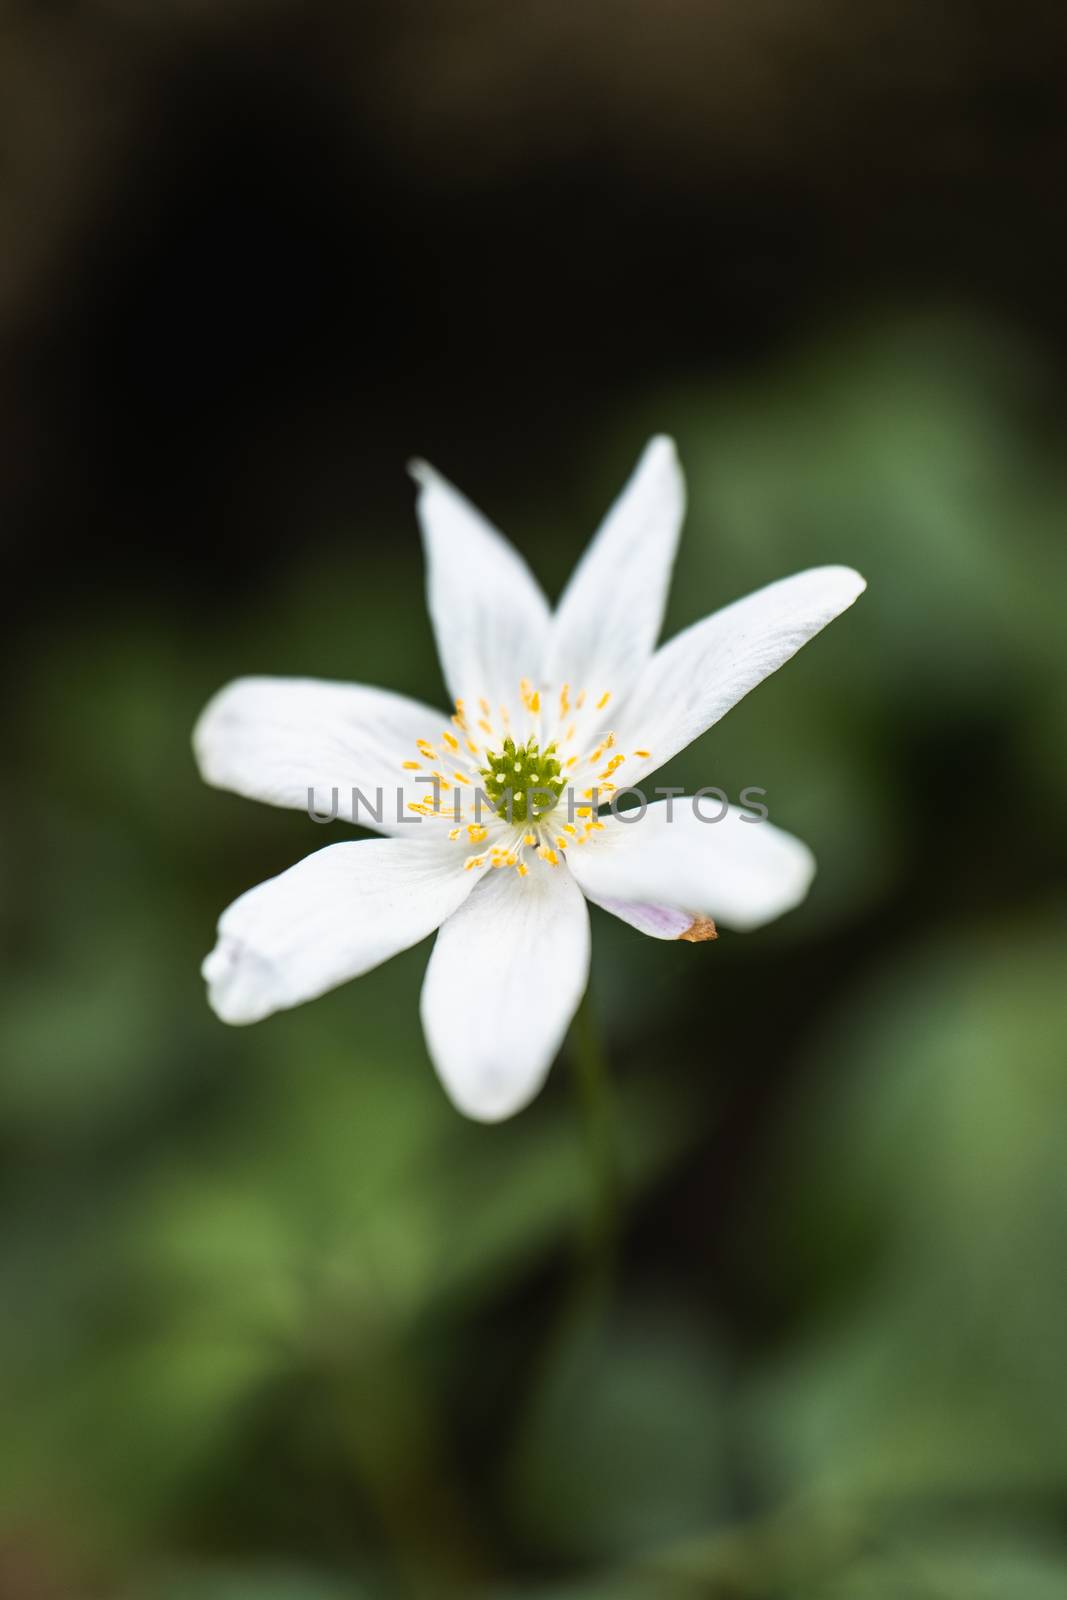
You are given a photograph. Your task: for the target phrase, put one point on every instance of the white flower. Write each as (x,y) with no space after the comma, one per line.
(566,703)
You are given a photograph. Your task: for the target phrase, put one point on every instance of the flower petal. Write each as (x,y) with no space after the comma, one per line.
(704,671)
(505,978)
(273,739)
(736,872)
(489,616)
(658,921)
(610,614)
(334,915)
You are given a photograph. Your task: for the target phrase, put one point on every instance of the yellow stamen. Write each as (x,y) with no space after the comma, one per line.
(530,697)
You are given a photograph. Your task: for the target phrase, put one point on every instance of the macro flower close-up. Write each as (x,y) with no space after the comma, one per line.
(506,1094)
(494,811)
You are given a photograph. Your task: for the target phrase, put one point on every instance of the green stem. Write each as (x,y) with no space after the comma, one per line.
(598,1110)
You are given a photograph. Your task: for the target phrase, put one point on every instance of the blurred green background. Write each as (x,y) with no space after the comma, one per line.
(276,1323)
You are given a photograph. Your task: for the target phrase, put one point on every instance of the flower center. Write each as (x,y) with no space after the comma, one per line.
(524,781)
(479,759)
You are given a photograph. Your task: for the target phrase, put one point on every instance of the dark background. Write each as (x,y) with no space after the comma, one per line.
(277,1324)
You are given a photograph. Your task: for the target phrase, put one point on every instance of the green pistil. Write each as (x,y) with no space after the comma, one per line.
(533,777)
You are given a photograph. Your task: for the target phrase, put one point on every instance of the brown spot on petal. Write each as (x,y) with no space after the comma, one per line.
(699,929)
